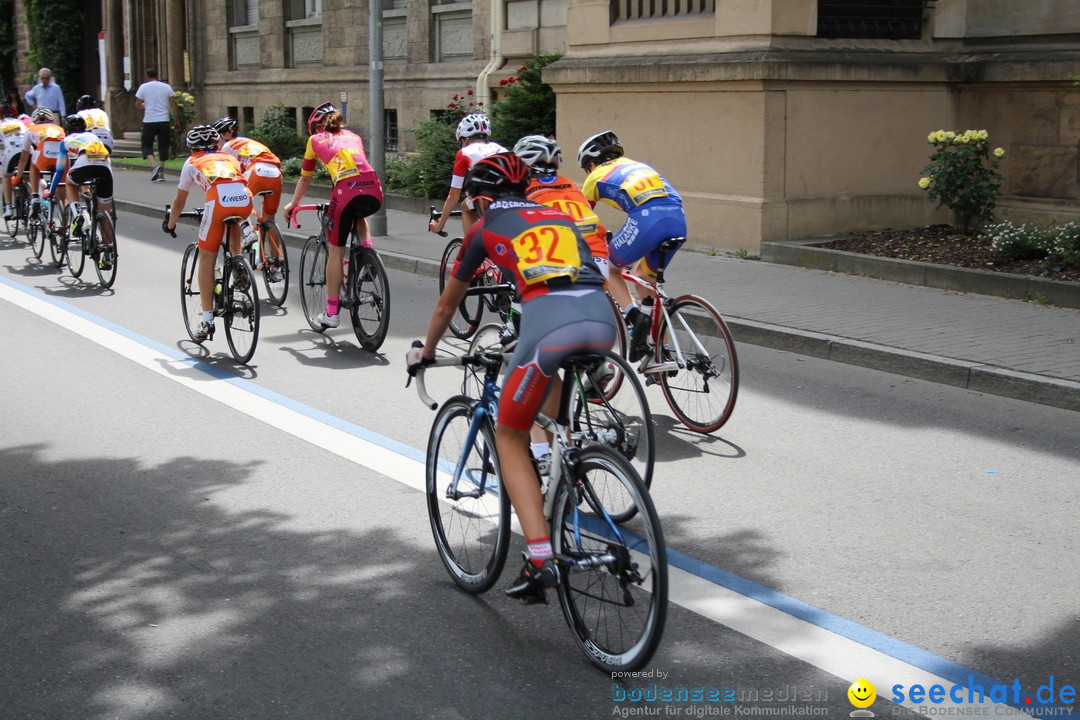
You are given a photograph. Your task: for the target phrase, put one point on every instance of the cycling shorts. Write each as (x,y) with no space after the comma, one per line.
(11,161)
(353,198)
(263,177)
(223,200)
(554,326)
(82,174)
(643,233)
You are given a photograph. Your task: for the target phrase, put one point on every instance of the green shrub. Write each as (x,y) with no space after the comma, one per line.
(527,106)
(185,103)
(1019,242)
(1065,246)
(290,167)
(962,175)
(276,132)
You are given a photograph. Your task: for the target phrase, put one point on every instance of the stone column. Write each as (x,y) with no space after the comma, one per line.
(175,33)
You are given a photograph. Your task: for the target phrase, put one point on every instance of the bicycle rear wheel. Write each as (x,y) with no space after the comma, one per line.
(487,337)
(370,310)
(11,224)
(313,281)
(467,319)
(623,423)
(56,232)
(472,527)
(241,310)
(702,395)
(275,264)
(614,589)
(103,242)
(35,232)
(190,303)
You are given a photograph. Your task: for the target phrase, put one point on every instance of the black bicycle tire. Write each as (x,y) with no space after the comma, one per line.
(35,231)
(239,268)
(73,247)
(732,362)
(462,324)
(189,288)
(481,580)
(105,277)
(369,258)
(651,532)
(274,254)
(644,448)
(313,274)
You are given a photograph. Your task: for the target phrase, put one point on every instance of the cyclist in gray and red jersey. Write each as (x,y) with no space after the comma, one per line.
(564,312)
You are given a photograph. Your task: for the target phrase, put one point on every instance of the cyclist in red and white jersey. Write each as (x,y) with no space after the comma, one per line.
(473,132)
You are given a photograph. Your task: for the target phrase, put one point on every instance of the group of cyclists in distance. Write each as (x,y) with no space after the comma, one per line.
(539,227)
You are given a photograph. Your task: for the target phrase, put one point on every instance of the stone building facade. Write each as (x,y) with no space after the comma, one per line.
(774,118)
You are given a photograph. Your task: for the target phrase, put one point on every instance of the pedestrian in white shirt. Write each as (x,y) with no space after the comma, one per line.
(156,99)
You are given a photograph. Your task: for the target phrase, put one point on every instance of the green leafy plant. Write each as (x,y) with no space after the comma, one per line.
(1019,242)
(527,105)
(1064,248)
(50,24)
(185,103)
(276,130)
(962,175)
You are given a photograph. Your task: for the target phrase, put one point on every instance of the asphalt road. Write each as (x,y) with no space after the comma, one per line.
(175,549)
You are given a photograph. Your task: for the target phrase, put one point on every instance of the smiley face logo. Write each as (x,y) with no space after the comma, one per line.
(862,693)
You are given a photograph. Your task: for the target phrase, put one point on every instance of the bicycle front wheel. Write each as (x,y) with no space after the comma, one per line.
(614,589)
(275,264)
(470,520)
(241,310)
(702,394)
(103,242)
(190,303)
(56,231)
(11,224)
(622,422)
(487,338)
(370,310)
(313,281)
(471,309)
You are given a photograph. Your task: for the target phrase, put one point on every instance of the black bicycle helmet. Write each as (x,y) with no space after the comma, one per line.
(497,175)
(226,124)
(598,148)
(75,124)
(202,137)
(85,102)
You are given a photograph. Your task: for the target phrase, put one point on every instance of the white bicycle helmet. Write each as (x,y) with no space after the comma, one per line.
(541,154)
(202,137)
(473,125)
(595,147)
(42,115)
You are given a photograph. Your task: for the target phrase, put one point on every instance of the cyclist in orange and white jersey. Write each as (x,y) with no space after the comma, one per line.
(357,193)
(13,133)
(472,133)
(261,169)
(97,120)
(654,213)
(548,187)
(40,149)
(218,175)
(83,157)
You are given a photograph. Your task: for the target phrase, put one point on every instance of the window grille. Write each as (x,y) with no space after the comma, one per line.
(883,19)
(646,9)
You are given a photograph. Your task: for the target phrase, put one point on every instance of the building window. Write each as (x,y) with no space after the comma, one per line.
(303,33)
(243,19)
(390,123)
(312,8)
(882,19)
(249,117)
(232,111)
(646,9)
(453,30)
(290,113)
(243,13)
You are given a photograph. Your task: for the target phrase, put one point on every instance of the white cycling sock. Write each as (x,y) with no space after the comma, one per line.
(540,449)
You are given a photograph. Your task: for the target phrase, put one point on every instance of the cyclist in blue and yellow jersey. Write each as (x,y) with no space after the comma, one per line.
(83,157)
(13,132)
(654,213)
(97,120)
(564,312)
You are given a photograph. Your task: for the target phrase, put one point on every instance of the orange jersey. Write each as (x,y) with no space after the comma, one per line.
(206,169)
(248,152)
(562,194)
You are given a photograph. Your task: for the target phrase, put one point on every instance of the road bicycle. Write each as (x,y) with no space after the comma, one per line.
(236,299)
(20,203)
(95,239)
(365,288)
(37,222)
(691,353)
(614,412)
(270,257)
(614,588)
(471,309)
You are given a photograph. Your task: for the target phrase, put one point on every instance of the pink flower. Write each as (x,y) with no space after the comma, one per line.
(522,69)
(503,81)
(469,92)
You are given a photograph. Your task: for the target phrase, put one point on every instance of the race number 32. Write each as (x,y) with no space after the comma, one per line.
(546,252)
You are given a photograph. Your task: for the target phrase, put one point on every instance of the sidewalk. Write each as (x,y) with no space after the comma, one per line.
(990,345)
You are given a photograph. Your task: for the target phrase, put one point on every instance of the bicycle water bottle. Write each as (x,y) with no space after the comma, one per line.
(515,316)
(217,279)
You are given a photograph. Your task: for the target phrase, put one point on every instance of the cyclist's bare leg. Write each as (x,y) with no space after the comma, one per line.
(363,233)
(334,275)
(520,478)
(619,289)
(235,239)
(550,408)
(35,178)
(468,218)
(206,280)
(642,270)
(7,189)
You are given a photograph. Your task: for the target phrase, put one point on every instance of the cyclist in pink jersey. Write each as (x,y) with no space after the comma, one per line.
(472,132)
(357,193)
